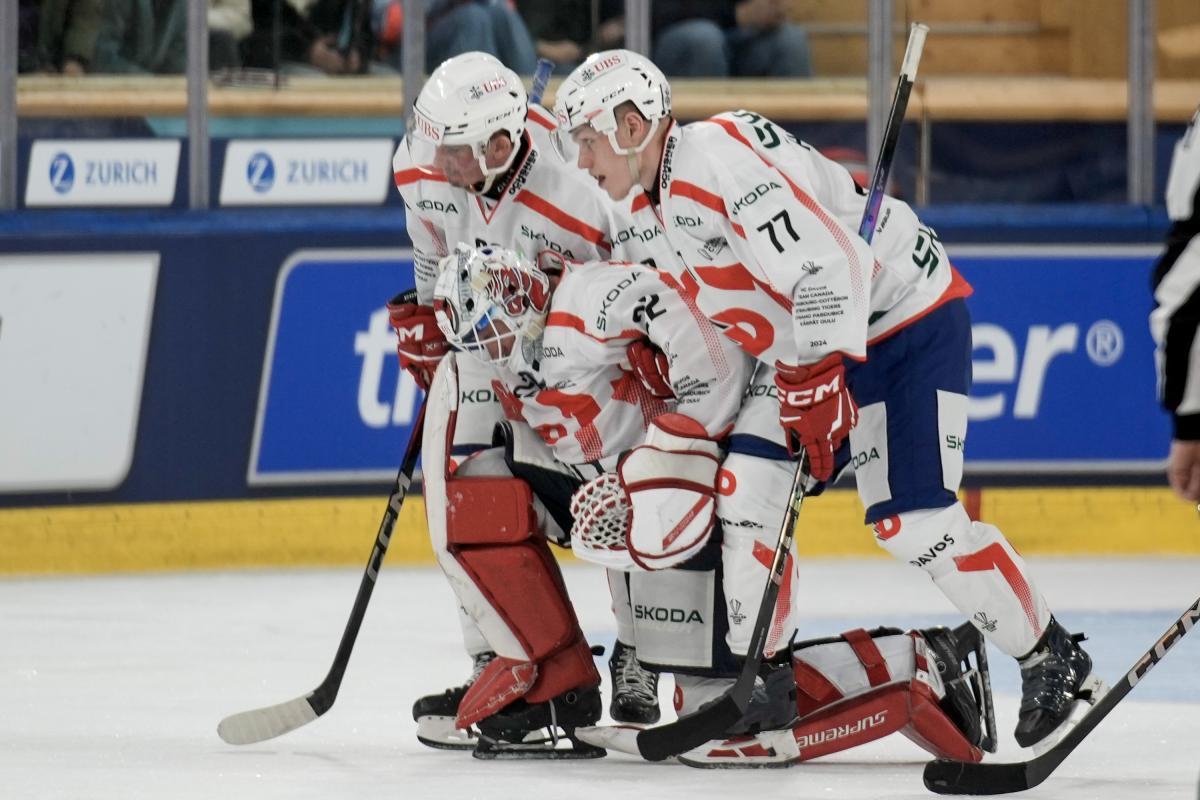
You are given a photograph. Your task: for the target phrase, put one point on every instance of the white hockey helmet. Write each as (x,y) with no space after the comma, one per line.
(592,92)
(492,303)
(467,100)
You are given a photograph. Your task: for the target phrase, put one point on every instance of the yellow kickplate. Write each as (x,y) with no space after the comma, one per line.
(340,530)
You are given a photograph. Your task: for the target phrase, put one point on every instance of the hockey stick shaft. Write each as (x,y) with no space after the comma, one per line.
(954,777)
(693,730)
(541,76)
(268,722)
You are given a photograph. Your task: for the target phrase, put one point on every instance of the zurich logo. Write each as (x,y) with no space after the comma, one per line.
(62,173)
(260,172)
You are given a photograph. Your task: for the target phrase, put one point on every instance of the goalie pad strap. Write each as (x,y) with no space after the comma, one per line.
(869,656)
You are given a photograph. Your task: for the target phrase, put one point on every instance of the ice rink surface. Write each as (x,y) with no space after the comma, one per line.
(112,687)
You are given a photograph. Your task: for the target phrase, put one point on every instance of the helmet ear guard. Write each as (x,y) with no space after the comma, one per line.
(491,303)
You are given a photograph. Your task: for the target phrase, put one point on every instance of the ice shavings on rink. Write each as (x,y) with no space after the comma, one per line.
(112,687)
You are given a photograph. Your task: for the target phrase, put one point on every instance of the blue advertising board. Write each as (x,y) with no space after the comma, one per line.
(334,405)
(1063,365)
(1063,359)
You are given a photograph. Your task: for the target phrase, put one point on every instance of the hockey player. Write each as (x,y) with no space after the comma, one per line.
(572,409)
(590,415)
(869,343)
(473,169)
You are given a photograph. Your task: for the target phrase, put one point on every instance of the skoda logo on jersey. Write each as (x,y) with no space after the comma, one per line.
(62,173)
(260,172)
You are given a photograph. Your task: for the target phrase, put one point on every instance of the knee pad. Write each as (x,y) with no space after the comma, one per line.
(752,495)
(862,686)
(976,568)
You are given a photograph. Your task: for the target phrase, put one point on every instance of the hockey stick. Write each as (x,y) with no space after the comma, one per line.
(260,724)
(541,76)
(713,719)
(955,777)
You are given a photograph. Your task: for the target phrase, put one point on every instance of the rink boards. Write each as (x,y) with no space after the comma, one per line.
(183,391)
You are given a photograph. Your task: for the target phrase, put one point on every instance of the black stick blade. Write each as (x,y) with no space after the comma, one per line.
(693,730)
(945,776)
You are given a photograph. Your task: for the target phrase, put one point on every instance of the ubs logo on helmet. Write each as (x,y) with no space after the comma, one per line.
(62,173)
(600,66)
(260,172)
(482,90)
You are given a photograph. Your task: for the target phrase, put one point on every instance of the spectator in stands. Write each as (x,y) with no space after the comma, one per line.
(562,30)
(460,26)
(331,37)
(150,36)
(58,35)
(1176,316)
(715,39)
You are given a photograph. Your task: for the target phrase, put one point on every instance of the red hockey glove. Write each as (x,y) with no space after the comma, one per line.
(650,365)
(816,410)
(421,344)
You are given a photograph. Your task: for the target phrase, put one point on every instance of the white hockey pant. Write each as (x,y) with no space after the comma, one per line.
(976,568)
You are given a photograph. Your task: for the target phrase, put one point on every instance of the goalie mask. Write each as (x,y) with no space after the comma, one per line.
(465,102)
(492,304)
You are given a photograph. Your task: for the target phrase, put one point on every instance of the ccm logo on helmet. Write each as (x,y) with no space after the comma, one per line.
(806,397)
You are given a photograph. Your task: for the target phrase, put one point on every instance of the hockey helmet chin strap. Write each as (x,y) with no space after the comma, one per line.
(631,153)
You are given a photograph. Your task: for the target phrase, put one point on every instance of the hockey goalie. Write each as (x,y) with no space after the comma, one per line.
(591,416)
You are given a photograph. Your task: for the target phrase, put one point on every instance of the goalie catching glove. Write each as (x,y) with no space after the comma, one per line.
(671,481)
(658,510)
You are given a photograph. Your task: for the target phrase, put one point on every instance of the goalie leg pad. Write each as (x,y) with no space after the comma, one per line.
(679,621)
(491,531)
(976,568)
(869,685)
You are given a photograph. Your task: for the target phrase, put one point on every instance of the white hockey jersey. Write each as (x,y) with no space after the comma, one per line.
(587,407)
(767,228)
(544,206)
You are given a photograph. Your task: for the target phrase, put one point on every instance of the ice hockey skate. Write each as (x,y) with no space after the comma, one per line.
(1057,686)
(523,730)
(634,688)
(435,713)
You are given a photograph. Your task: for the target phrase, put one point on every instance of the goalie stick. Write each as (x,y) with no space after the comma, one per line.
(944,776)
(260,724)
(713,719)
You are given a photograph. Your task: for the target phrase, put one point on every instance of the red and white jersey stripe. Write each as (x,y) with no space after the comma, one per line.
(545,205)
(767,229)
(588,407)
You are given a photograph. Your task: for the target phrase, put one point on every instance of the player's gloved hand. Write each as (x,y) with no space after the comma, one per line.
(651,367)
(816,410)
(421,343)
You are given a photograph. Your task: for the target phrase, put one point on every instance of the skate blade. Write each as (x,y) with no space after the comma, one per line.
(767,750)
(537,746)
(440,734)
(1090,692)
